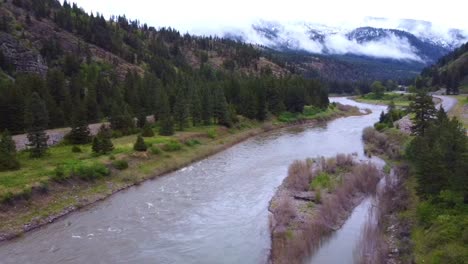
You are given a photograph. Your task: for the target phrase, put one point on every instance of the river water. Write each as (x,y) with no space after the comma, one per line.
(214,211)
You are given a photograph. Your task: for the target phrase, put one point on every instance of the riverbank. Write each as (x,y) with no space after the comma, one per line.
(408,226)
(399,99)
(387,234)
(314,200)
(55,200)
(460,110)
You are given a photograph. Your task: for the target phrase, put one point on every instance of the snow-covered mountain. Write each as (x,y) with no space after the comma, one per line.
(406,40)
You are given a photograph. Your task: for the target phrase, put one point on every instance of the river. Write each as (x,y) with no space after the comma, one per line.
(214,211)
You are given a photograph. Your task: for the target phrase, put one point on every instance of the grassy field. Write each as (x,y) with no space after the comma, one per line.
(32,196)
(459,111)
(402,100)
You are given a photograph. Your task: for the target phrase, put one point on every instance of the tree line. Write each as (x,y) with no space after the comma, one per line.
(446,74)
(439,152)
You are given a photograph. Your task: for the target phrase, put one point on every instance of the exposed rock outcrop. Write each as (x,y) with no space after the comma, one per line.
(25,60)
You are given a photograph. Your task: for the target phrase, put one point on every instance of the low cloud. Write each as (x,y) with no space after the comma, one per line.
(298,35)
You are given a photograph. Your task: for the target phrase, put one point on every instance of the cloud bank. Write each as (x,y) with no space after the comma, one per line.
(333,39)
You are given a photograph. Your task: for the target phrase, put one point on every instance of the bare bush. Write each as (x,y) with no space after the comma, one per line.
(364,178)
(392,198)
(347,108)
(344,161)
(284,212)
(372,248)
(293,245)
(299,176)
(328,165)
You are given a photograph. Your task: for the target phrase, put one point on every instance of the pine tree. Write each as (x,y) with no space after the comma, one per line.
(104,131)
(141,122)
(181,111)
(220,108)
(37,120)
(106,145)
(140,144)
(196,109)
(424,110)
(166,122)
(262,106)
(8,160)
(121,119)
(382,117)
(97,147)
(80,133)
(147,131)
(207,110)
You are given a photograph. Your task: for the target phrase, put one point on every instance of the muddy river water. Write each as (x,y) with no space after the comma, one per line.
(213,211)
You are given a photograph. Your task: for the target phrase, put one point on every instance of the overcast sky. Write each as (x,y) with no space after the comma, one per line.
(187,15)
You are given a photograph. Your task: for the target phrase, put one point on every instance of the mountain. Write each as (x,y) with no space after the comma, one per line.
(401,50)
(77,65)
(450,72)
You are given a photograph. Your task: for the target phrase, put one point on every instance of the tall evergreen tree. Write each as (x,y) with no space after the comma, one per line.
(207,110)
(147,131)
(262,106)
(440,157)
(141,121)
(220,108)
(8,160)
(121,119)
(97,146)
(424,110)
(80,133)
(37,120)
(181,111)
(106,145)
(196,109)
(165,119)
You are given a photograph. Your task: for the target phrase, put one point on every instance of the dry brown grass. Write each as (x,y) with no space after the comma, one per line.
(381,143)
(299,176)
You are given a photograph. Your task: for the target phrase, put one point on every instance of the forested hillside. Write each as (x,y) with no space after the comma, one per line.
(80,66)
(450,72)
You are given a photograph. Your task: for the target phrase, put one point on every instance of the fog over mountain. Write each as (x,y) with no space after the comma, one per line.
(362,27)
(400,39)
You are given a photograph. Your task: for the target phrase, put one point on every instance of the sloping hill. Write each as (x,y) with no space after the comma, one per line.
(450,72)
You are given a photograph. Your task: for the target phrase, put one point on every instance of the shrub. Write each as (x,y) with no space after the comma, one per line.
(284,212)
(172,146)
(380,126)
(60,174)
(43,187)
(212,134)
(321,181)
(299,176)
(120,164)
(90,172)
(140,144)
(7,198)
(96,147)
(192,142)
(155,150)
(76,149)
(310,110)
(147,131)
(106,145)
(26,194)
